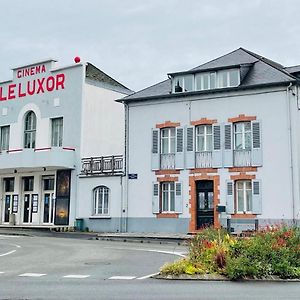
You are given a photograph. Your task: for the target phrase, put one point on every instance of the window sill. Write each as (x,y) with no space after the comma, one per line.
(167,215)
(100,217)
(243,216)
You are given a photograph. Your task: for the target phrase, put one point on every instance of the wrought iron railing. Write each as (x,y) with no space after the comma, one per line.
(204,159)
(102,165)
(167,161)
(242,158)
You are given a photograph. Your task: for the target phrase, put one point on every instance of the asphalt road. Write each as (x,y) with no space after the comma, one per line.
(65,268)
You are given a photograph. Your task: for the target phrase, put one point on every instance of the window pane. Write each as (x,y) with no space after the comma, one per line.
(188,83)
(172,201)
(208,129)
(248,185)
(248,141)
(238,141)
(209,143)
(57,132)
(234,77)
(238,127)
(200,129)
(178,84)
(239,185)
(222,75)
(172,145)
(240,203)
(4,145)
(249,200)
(198,83)
(164,145)
(247,126)
(165,201)
(205,81)
(212,80)
(200,142)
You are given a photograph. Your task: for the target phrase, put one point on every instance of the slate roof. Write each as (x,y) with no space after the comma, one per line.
(93,73)
(262,71)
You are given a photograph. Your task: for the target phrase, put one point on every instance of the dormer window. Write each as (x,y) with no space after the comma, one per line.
(206,81)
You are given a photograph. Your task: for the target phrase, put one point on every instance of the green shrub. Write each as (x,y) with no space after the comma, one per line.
(182,266)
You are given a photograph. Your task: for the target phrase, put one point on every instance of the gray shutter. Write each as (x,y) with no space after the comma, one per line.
(155,197)
(190,147)
(256,197)
(228,145)
(230,196)
(217,151)
(179,157)
(256,144)
(178,197)
(155,158)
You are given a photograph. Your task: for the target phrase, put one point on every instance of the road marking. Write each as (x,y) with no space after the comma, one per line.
(148,276)
(32,275)
(122,277)
(1,272)
(7,253)
(77,276)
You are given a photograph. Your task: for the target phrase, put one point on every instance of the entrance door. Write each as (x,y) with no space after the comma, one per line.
(205,203)
(27,196)
(27,210)
(48,201)
(7,207)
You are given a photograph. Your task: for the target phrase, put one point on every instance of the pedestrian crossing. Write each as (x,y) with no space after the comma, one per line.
(79,276)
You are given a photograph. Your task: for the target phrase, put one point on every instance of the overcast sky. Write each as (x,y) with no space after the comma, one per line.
(138,42)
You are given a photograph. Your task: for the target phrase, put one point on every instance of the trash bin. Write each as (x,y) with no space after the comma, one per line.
(12,219)
(79,224)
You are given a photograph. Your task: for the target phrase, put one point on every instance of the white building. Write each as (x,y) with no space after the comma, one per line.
(218,144)
(53,120)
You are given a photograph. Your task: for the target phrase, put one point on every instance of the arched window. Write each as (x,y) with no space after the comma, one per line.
(101,200)
(29,130)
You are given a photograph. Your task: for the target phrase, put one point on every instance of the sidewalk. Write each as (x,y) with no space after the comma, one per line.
(125,237)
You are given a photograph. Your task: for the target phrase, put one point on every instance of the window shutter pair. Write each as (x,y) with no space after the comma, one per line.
(256,197)
(190,147)
(156,195)
(179,148)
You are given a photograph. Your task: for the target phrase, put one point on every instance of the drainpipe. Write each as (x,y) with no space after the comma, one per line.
(291,149)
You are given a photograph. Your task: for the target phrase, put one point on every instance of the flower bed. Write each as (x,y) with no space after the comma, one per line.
(274,251)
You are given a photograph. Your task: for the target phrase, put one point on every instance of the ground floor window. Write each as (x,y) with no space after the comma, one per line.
(101,200)
(168,197)
(243,196)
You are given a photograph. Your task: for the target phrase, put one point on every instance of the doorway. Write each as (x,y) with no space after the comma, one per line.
(48,199)
(8,197)
(205,203)
(27,197)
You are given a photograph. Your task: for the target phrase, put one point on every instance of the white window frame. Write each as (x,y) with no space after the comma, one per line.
(59,139)
(170,137)
(205,135)
(4,138)
(182,77)
(201,75)
(99,194)
(167,188)
(244,191)
(31,130)
(243,132)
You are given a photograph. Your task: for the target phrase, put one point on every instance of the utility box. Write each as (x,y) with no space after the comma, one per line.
(79,224)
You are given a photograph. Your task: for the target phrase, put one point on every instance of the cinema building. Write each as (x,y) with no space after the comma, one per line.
(61,145)
(215,145)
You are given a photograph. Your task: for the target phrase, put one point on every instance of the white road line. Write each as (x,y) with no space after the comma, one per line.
(122,277)
(147,276)
(77,276)
(7,253)
(32,275)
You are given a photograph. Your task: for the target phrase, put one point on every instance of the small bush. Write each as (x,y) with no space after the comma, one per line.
(182,266)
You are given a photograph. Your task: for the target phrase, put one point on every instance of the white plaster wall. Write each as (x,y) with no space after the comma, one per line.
(269,107)
(85,195)
(102,122)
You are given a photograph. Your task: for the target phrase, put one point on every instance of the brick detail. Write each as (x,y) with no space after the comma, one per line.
(204,170)
(242,118)
(167,172)
(193,199)
(243,169)
(243,216)
(167,124)
(243,176)
(167,215)
(203,121)
(167,178)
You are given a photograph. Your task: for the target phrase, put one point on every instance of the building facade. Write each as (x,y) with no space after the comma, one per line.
(216,145)
(59,127)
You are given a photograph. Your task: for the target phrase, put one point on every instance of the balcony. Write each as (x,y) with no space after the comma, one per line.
(31,159)
(104,165)
(204,159)
(167,161)
(242,158)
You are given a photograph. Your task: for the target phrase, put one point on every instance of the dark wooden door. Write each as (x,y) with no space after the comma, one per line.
(7,208)
(205,203)
(26,208)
